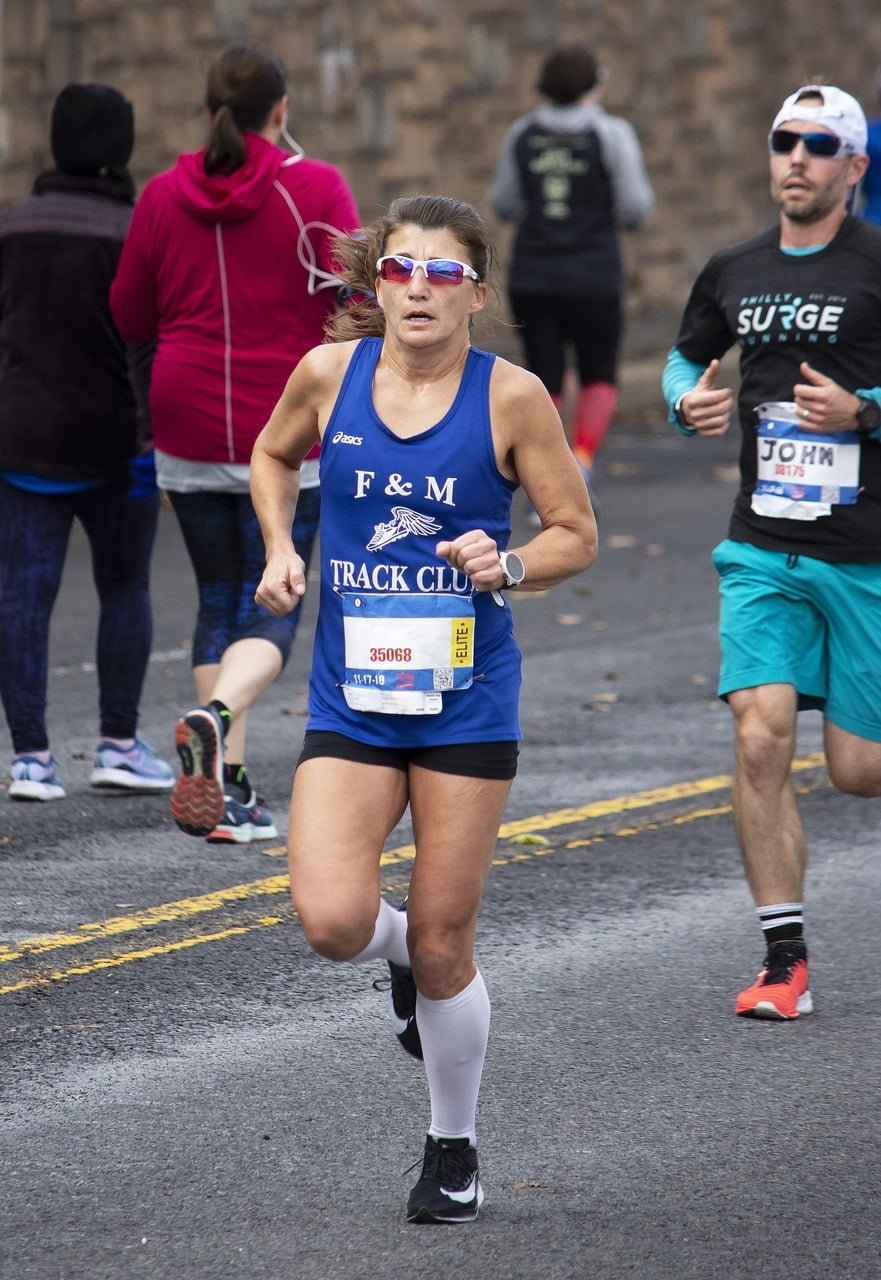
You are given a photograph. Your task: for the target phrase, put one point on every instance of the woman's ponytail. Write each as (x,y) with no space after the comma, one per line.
(225,150)
(244,84)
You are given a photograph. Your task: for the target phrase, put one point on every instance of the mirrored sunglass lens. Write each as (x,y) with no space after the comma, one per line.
(398,270)
(443,271)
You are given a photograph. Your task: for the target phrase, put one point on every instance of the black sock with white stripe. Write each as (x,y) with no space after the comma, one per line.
(783,923)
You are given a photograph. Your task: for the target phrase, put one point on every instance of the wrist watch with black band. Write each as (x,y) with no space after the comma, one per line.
(513,568)
(868,416)
(677,410)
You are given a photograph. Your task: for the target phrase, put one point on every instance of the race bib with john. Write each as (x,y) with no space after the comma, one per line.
(802,474)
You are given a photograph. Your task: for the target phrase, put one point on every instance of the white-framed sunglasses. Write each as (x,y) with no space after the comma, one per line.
(400,269)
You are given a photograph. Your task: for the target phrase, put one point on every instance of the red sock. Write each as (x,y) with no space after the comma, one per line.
(593,416)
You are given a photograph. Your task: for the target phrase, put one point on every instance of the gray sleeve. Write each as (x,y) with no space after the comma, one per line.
(632,192)
(506,194)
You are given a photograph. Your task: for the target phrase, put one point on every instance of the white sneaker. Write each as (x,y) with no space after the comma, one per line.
(32,779)
(136,769)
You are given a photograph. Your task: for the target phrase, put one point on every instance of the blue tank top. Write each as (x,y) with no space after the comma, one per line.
(385,504)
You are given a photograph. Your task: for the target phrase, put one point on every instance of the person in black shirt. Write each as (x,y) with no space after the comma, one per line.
(571,175)
(800,571)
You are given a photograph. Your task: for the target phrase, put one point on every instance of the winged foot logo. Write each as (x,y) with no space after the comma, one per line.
(404,521)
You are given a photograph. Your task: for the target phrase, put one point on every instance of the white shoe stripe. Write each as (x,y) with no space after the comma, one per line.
(462,1197)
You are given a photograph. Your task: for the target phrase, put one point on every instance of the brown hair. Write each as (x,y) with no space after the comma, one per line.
(567,73)
(243,86)
(357,255)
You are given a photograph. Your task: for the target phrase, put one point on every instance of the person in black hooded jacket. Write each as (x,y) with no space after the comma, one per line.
(73,444)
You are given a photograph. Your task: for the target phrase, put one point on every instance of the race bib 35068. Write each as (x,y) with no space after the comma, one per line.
(405,649)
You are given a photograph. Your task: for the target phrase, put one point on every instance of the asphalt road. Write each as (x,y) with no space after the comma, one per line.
(187,1093)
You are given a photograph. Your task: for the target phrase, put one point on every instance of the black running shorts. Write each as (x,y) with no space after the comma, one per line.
(467,759)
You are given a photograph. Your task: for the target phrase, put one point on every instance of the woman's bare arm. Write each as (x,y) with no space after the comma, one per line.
(293,428)
(532,448)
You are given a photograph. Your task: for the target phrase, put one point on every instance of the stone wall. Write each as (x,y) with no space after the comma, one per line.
(411,95)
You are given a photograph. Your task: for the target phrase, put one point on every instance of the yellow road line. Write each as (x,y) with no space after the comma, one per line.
(186,908)
(694,815)
(166,913)
(146,953)
(607,808)
(534,851)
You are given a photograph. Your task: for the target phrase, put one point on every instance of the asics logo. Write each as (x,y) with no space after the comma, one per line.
(462,1197)
(342,438)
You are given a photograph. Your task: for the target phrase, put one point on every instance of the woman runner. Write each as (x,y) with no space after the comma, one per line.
(416,673)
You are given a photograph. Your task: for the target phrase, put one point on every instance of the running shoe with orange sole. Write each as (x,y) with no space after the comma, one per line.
(197,799)
(781,990)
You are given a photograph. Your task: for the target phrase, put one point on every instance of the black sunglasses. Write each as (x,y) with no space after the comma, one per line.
(783,142)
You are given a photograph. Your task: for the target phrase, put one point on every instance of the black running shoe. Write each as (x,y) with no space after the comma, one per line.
(449,1189)
(402,1004)
(402,1009)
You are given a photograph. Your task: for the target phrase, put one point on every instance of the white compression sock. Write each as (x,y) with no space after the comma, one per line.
(389,941)
(454,1034)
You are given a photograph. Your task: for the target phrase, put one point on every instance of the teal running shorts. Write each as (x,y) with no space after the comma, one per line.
(792,619)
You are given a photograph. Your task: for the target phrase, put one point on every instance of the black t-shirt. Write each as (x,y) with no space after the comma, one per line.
(566,243)
(782,309)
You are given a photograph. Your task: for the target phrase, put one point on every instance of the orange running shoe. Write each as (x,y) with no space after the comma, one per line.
(781,989)
(197,797)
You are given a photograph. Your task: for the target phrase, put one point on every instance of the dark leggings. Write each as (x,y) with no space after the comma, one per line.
(34,533)
(225,545)
(547,324)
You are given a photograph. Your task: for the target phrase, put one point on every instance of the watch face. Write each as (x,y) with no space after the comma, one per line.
(869,415)
(513,568)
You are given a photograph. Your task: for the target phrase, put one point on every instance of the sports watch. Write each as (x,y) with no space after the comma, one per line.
(868,416)
(512,567)
(677,411)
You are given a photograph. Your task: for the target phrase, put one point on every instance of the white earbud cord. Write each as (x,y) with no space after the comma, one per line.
(305,251)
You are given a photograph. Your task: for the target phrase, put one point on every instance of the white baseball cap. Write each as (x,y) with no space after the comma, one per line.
(839,112)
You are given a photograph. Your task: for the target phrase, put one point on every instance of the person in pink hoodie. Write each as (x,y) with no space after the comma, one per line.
(229,263)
